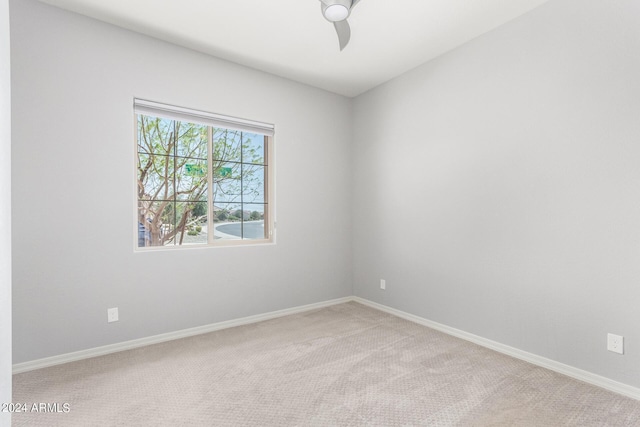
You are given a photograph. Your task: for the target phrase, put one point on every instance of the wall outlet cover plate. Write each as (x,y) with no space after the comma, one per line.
(615,343)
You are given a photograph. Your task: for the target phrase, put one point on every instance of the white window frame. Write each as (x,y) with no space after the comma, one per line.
(167,111)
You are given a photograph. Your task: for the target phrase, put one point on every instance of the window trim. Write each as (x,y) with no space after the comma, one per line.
(142,106)
(211,120)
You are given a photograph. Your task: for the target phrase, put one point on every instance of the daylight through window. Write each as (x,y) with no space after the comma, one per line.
(202,179)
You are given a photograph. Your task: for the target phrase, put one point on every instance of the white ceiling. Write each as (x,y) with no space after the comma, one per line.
(290,38)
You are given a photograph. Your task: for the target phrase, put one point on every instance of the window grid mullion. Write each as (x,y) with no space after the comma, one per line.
(175,185)
(210,206)
(241,188)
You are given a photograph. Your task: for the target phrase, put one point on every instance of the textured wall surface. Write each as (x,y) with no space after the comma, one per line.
(74,179)
(497,188)
(5,211)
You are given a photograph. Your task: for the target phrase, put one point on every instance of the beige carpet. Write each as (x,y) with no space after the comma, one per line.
(346,365)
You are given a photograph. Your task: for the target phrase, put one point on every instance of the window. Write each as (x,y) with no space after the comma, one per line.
(202,179)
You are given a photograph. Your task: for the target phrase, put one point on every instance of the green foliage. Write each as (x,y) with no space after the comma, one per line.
(221,215)
(172,189)
(238,166)
(168,194)
(200,209)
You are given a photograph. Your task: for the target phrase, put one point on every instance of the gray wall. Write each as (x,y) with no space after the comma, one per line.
(74,80)
(496,188)
(5,212)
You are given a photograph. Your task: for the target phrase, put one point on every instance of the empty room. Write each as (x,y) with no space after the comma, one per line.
(320,212)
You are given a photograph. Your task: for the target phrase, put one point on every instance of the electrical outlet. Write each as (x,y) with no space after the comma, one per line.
(383,284)
(112,314)
(615,343)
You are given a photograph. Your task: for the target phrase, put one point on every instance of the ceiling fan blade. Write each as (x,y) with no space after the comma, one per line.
(330,2)
(344,32)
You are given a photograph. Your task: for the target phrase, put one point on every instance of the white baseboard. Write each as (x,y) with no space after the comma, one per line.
(534,359)
(141,342)
(570,371)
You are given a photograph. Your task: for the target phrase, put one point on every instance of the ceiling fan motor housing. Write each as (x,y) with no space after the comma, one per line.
(336,10)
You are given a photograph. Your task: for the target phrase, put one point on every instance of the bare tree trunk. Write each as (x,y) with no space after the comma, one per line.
(183,224)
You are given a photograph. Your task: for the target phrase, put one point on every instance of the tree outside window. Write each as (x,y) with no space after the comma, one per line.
(198,184)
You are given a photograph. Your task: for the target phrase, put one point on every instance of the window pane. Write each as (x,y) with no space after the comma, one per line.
(227,182)
(253,183)
(253,148)
(156,135)
(228,221)
(189,226)
(253,227)
(199,212)
(155,220)
(226,145)
(155,177)
(192,140)
(144,229)
(169,223)
(191,179)
(234,221)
